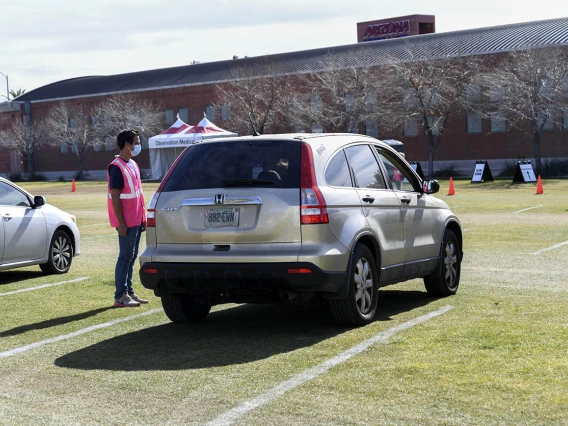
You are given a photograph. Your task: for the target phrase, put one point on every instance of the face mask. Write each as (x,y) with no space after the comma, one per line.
(137,149)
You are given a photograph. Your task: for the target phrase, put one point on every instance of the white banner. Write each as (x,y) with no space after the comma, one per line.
(173,142)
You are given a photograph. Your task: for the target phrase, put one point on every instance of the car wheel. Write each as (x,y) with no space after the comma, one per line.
(60,254)
(360,306)
(446,280)
(181,309)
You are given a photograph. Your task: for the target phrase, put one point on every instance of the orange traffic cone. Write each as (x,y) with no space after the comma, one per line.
(539,186)
(451,190)
(73,187)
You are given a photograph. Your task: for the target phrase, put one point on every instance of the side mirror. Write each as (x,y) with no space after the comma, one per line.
(39,200)
(430,186)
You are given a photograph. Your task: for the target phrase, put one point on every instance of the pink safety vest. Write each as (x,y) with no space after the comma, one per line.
(131,197)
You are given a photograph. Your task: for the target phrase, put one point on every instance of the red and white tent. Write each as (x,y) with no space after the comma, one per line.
(165,147)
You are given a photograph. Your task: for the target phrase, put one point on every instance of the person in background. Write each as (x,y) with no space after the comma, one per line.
(127,213)
(397,176)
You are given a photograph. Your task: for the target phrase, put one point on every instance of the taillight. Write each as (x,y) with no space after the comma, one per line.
(151,211)
(312,204)
(151,218)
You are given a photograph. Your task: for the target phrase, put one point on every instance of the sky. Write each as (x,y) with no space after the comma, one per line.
(45,41)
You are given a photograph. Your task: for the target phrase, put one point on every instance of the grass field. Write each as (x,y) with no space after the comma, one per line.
(499,356)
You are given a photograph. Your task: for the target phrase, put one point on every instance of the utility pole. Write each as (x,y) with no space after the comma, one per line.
(7,86)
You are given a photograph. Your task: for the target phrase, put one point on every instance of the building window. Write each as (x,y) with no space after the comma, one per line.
(353,127)
(566,119)
(317,128)
(473,123)
(170,117)
(371,101)
(63,147)
(496,94)
(372,128)
(225,113)
(144,142)
(183,115)
(548,124)
(109,145)
(473,93)
(210,113)
(316,104)
(349,102)
(433,124)
(410,127)
(408,98)
(299,129)
(497,122)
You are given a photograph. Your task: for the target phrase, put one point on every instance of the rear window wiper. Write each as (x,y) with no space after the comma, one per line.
(246,182)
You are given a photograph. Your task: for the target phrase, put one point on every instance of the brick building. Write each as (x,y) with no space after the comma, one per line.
(189,91)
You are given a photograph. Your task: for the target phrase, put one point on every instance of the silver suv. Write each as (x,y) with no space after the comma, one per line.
(297,218)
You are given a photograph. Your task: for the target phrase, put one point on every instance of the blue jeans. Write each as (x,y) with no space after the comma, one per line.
(128,252)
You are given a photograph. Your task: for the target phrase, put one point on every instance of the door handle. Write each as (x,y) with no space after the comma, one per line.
(6,217)
(405,200)
(368,199)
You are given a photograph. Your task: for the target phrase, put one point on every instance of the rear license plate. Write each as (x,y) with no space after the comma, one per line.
(216,218)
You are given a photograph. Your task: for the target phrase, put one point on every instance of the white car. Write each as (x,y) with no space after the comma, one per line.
(35,233)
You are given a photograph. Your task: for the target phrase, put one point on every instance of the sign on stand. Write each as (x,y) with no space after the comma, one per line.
(416,166)
(482,172)
(524,172)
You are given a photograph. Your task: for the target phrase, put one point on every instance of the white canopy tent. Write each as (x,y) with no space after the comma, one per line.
(165,147)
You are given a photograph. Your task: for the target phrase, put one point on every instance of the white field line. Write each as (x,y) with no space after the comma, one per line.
(43,286)
(26,348)
(98,236)
(467,229)
(94,224)
(299,379)
(528,208)
(551,247)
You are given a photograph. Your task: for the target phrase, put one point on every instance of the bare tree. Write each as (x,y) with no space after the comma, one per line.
(343,94)
(72,127)
(123,111)
(257,99)
(25,139)
(432,91)
(530,90)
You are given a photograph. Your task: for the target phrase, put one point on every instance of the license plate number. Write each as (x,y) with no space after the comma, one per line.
(216,218)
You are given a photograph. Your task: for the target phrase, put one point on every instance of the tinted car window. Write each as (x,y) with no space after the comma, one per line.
(337,172)
(365,167)
(398,175)
(274,164)
(12,197)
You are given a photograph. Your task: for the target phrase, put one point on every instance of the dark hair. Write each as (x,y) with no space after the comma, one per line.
(126,136)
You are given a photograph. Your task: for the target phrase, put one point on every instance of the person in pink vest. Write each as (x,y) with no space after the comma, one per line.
(127,213)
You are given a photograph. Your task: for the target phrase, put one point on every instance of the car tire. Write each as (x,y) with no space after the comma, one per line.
(360,305)
(60,254)
(446,280)
(181,309)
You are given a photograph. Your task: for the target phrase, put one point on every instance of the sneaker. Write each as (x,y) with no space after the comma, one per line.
(125,301)
(134,297)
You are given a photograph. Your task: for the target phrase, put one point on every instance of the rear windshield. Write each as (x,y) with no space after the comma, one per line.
(264,163)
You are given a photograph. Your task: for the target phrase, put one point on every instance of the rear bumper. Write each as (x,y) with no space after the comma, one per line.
(237,278)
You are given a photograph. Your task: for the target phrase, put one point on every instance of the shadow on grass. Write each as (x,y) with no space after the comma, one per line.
(11,277)
(238,335)
(499,185)
(52,322)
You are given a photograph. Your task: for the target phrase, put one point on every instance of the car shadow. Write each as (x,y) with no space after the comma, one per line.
(238,335)
(11,277)
(52,322)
